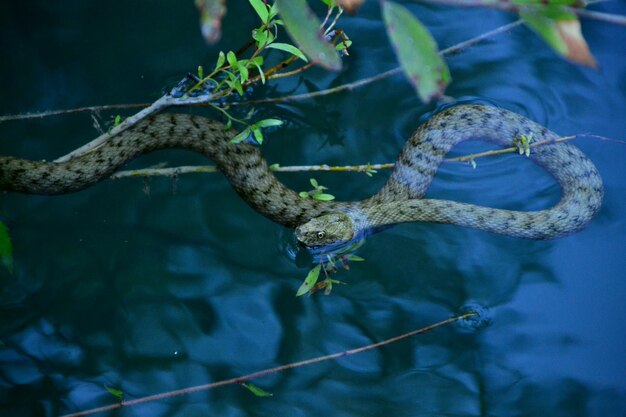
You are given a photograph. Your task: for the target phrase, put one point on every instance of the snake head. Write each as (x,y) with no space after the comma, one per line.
(326,230)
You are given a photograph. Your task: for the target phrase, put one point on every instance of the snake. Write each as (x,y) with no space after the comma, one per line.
(320,223)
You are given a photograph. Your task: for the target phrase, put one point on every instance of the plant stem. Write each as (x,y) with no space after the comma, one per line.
(360,83)
(512,7)
(293,365)
(175,171)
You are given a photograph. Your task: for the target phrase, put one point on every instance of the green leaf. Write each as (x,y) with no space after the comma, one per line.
(314,183)
(258,135)
(221,58)
(309,281)
(118,120)
(6,248)
(200,72)
(355,258)
(243,71)
(273,10)
(269,123)
(115,392)
(236,84)
(303,194)
(323,197)
(303,27)
(260,36)
(256,390)
(345,44)
(560,29)
(261,9)
(546,28)
(232,59)
(274,167)
(241,136)
(288,48)
(261,73)
(417,51)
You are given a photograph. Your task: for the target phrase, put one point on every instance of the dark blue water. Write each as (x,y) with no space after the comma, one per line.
(184,285)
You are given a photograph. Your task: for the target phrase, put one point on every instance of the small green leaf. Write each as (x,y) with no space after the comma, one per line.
(274,167)
(118,120)
(309,281)
(546,28)
(6,248)
(200,72)
(303,194)
(323,197)
(261,9)
(355,258)
(261,73)
(343,45)
(221,58)
(258,135)
(236,85)
(232,59)
(260,36)
(241,136)
(314,183)
(256,390)
(417,51)
(115,392)
(243,71)
(304,28)
(288,48)
(273,11)
(269,123)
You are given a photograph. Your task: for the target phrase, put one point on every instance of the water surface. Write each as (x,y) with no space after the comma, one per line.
(184,284)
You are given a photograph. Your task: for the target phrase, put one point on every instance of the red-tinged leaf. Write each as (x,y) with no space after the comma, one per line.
(417,52)
(350,6)
(561,31)
(211,14)
(304,28)
(577,49)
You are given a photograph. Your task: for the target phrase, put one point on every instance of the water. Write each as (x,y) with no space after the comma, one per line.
(187,285)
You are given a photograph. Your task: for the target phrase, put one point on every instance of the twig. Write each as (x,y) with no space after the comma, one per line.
(170,172)
(349,86)
(38,115)
(240,379)
(360,83)
(512,7)
(290,73)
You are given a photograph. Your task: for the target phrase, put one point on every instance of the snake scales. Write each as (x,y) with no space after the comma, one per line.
(322,222)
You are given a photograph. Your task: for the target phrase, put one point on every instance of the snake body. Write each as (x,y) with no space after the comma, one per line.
(326,222)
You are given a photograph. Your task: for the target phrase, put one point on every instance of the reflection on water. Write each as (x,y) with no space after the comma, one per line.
(149,293)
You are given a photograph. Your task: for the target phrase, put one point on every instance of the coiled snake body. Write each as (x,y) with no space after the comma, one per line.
(326,222)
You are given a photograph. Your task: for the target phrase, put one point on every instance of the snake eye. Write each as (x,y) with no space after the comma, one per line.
(320,235)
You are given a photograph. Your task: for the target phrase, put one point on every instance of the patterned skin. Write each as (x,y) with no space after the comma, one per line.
(320,223)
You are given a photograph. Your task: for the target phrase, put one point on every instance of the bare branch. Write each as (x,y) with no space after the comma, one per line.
(244,378)
(360,83)
(175,171)
(40,115)
(512,7)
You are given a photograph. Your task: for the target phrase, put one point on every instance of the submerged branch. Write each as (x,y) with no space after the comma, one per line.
(175,171)
(293,365)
